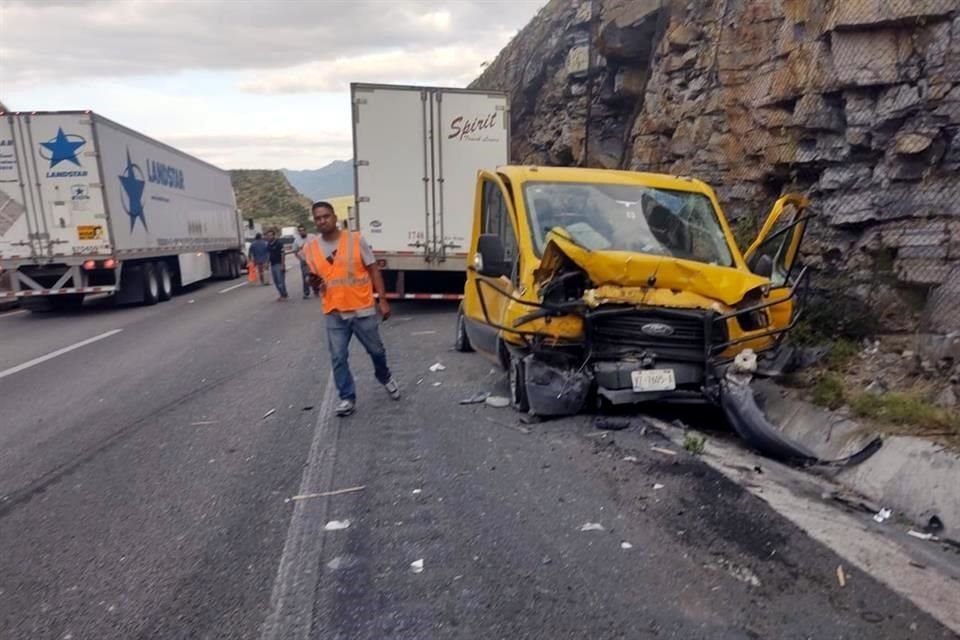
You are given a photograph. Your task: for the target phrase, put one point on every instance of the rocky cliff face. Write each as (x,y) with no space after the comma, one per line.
(856,102)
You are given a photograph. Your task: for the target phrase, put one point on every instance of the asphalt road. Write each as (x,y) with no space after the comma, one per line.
(143,494)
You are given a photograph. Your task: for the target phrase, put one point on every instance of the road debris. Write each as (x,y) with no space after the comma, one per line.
(630,459)
(417,492)
(437,384)
(921,536)
(203,422)
(422,333)
(626,545)
(419,381)
(417,566)
(666,452)
(512,427)
(592,526)
(882,516)
(477,398)
(611,424)
(324,494)
(437,366)
(336,525)
(497,402)
(191,301)
(268,414)
(658,486)
(841,576)
(309,407)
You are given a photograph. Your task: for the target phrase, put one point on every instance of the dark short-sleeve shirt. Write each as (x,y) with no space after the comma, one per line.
(276,251)
(259,250)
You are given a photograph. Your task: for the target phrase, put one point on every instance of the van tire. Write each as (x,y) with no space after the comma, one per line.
(517,378)
(461,342)
(151,285)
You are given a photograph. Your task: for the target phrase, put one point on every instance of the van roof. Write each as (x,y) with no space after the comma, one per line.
(529,173)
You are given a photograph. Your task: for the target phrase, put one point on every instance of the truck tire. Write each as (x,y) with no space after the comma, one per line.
(166,282)
(151,284)
(461,342)
(517,377)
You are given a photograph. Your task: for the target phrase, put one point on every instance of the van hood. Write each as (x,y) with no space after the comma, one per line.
(624,269)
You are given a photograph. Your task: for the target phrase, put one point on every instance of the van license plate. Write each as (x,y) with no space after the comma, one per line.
(653,380)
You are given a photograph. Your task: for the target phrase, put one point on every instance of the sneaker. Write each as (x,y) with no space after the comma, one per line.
(392,388)
(345,408)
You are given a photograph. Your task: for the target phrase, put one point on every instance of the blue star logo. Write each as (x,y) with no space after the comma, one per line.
(132,182)
(63,148)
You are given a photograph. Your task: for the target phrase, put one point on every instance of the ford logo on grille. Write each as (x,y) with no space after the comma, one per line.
(657,330)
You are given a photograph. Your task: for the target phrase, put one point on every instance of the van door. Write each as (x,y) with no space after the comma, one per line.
(777,249)
(490,285)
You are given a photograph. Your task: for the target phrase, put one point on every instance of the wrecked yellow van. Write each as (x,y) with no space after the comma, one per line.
(620,287)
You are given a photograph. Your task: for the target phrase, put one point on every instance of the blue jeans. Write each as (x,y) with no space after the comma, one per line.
(279,279)
(339,332)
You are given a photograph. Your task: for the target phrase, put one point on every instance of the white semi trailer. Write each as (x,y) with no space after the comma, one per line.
(88,206)
(416,154)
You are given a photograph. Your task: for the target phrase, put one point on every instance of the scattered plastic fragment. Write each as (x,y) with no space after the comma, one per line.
(477,398)
(417,566)
(666,452)
(324,494)
(882,516)
(336,525)
(592,526)
(422,333)
(921,536)
(417,491)
(202,422)
(437,367)
(309,407)
(498,402)
(630,459)
(841,576)
(269,413)
(191,301)
(658,486)
(437,384)
(626,545)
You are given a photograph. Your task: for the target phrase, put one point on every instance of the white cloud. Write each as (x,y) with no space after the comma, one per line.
(454,66)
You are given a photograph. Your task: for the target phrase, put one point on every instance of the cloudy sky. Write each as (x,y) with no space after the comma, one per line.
(242,83)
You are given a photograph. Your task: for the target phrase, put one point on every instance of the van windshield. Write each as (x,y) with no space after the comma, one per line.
(612,217)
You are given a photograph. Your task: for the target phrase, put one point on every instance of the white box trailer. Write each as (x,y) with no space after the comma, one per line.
(416,154)
(89,206)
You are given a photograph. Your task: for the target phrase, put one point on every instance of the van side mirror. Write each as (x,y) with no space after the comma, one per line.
(763,266)
(490,260)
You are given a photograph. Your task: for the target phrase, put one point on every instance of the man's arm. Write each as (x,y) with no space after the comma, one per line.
(376,277)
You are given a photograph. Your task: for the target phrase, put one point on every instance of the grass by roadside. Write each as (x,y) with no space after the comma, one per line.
(910,409)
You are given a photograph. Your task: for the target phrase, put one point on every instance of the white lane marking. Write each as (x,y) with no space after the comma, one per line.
(291,602)
(12,313)
(58,352)
(236,286)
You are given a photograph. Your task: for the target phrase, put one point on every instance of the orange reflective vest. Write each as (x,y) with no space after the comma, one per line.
(348,286)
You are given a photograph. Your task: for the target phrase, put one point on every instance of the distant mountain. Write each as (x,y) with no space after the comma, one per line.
(268,198)
(335,179)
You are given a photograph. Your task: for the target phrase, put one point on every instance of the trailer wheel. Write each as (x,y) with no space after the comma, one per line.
(234,267)
(151,285)
(461,342)
(518,385)
(166,282)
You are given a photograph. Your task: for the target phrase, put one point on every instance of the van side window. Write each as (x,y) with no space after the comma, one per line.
(496,219)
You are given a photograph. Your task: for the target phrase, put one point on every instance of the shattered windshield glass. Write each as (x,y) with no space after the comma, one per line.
(614,217)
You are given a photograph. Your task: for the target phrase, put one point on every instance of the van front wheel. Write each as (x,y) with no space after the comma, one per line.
(518,385)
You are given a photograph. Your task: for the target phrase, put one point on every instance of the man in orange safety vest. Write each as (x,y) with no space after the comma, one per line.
(342,264)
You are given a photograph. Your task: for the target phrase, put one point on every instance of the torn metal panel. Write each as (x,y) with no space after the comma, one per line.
(555,390)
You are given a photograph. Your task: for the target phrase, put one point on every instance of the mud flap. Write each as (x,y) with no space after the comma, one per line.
(739,404)
(554,390)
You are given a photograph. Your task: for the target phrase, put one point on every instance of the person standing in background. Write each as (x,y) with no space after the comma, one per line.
(277,267)
(299,242)
(259,257)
